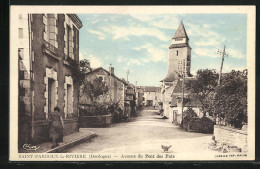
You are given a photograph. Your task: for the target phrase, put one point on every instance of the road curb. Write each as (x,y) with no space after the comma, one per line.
(71,144)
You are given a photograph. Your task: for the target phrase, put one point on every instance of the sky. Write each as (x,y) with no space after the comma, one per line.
(139,43)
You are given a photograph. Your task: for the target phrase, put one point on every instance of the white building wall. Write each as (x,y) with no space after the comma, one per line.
(23,39)
(154,96)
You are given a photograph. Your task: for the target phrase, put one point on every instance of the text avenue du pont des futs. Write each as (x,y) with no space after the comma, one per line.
(96,156)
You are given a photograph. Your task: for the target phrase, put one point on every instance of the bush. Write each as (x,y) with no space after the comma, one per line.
(188,115)
(201,125)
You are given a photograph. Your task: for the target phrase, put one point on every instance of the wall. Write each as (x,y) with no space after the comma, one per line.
(231,136)
(177,118)
(24,104)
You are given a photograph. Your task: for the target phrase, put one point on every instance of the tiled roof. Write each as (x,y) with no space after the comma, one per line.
(180,32)
(170,77)
(178,87)
(188,102)
(152,89)
(99,68)
(192,102)
(182,45)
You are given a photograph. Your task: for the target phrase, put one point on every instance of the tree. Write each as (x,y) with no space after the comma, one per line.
(84,65)
(202,87)
(94,89)
(230,100)
(190,113)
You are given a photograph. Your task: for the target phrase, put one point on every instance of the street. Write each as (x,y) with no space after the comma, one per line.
(143,134)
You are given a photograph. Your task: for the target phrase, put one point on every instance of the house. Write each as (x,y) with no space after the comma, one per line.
(48,52)
(175,110)
(130,99)
(116,87)
(139,96)
(152,95)
(179,62)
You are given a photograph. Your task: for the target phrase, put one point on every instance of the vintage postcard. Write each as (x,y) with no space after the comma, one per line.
(132,83)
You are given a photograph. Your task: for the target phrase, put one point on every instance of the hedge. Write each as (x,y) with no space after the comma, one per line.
(201,125)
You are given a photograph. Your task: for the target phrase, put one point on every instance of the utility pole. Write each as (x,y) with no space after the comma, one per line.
(127,74)
(182,98)
(223,53)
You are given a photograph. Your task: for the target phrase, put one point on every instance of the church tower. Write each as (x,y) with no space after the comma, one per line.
(179,56)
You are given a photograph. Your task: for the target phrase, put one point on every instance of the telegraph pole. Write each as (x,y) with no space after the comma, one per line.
(127,74)
(223,53)
(182,98)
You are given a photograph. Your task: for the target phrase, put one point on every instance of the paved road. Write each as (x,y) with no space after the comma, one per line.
(143,134)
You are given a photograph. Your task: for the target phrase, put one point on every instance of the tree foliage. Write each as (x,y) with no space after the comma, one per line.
(94,89)
(230,100)
(190,113)
(203,86)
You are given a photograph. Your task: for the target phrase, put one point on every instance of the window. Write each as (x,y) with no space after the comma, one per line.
(20,32)
(101,77)
(50,29)
(69,99)
(76,41)
(21,53)
(178,39)
(177,53)
(68,95)
(68,39)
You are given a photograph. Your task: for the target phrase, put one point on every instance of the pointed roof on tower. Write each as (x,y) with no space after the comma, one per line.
(180,32)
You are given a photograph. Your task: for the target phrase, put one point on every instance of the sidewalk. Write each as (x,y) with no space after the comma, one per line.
(68,141)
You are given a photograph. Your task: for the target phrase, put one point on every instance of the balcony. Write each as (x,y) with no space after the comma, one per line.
(50,50)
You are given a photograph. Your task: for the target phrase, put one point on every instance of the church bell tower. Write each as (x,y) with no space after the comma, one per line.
(179,56)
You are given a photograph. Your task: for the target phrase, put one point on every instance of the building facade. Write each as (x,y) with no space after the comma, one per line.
(139,96)
(116,86)
(48,52)
(175,110)
(152,96)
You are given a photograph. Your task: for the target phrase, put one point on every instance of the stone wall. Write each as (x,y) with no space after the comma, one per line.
(95,121)
(231,136)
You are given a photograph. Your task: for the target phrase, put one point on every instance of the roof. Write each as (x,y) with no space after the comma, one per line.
(100,68)
(180,32)
(170,77)
(152,89)
(76,20)
(130,91)
(178,87)
(188,102)
(182,45)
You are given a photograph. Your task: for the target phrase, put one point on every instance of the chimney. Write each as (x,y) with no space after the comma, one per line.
(111,70)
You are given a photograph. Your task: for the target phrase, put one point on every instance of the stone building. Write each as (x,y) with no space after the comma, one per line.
(116,86)
(139,96)
(48,52)
(152,96)
(175,110)
(179,62)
